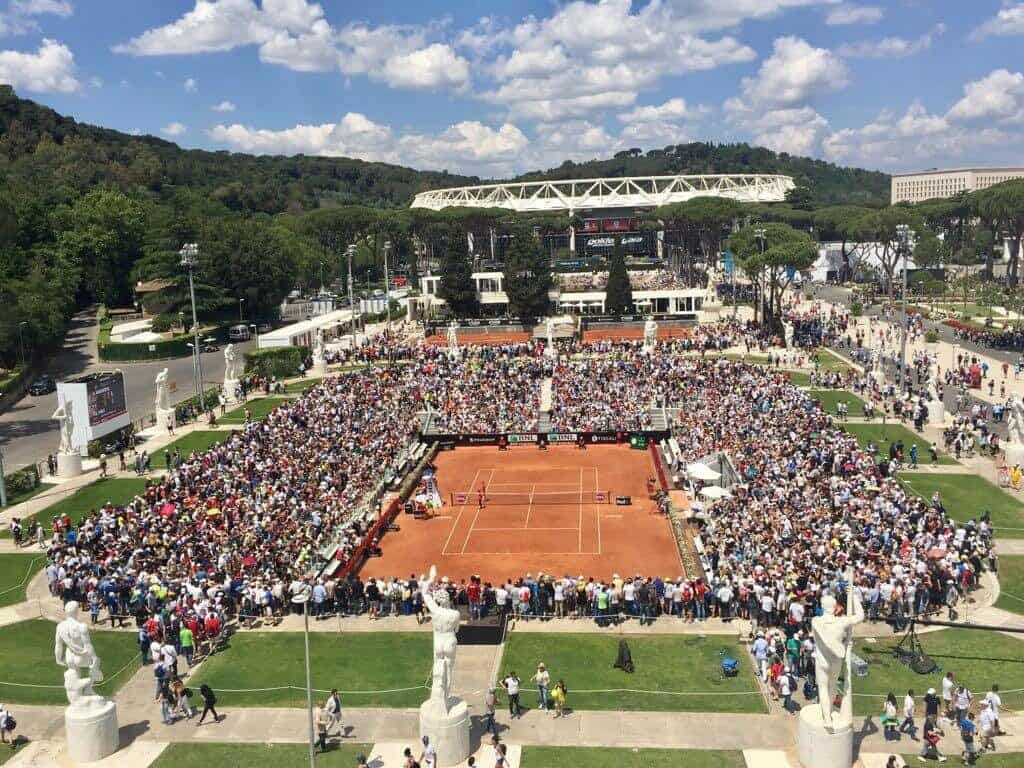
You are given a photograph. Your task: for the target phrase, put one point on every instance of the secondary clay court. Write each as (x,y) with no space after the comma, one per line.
(552,511)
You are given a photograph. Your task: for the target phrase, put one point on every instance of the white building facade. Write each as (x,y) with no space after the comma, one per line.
(926,185)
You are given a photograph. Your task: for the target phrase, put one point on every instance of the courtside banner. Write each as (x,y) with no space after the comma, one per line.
(534,438)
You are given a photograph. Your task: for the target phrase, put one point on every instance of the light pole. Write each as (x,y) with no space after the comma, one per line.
(241,319)
(189,261)
(350,251)
(3,482)
(904,235)
(302,598)
(762,237)
(21,338)
(387,287)
(256,333)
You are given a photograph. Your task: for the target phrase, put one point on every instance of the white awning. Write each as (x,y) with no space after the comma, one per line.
(715,492)
(698,471)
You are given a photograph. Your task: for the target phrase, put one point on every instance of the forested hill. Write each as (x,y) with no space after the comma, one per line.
(90,155)
(829,184)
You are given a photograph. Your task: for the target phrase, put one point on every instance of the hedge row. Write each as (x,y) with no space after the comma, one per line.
(23,481)
(282,362)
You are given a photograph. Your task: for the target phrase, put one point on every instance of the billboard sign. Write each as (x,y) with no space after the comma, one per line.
(106,398)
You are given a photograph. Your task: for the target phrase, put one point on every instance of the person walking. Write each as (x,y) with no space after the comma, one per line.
(967,731)
(332,707)
(209,704)
(930,737)
(490,701)
(511,686)
(8,725)
(907,726)
(889,720)
(543,680)
(558,695)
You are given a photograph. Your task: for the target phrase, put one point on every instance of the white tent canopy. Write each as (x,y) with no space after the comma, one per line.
(715,492)
(698,471)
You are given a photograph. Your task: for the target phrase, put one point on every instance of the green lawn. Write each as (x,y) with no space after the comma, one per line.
(298,387)
(119,490)
(951,746)
(881,436)
(200,441)
(831,397)
(798,378)
(666,666)
(17,498)
(977,658)
(184,755)
(1011,583)
(258,408)
(829,362)
(26,656)
(968,496)
(15,573)
(369,661)
(622,757)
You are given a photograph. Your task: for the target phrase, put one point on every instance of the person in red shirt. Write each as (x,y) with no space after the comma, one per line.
(473,594)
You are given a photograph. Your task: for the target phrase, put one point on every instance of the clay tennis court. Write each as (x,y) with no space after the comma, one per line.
(490,338)
(543,511)
(635,334)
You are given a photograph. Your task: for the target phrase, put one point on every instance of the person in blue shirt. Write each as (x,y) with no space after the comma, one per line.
(967,730)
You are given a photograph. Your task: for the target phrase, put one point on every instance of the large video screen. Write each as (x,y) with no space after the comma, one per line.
(106,398)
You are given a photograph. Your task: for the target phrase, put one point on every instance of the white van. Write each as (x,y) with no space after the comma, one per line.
(239,333)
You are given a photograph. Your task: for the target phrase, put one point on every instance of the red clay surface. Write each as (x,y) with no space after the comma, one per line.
(487,338)
(624,334)
(507,541)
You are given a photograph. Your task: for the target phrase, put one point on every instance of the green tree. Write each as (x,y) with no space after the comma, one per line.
(618,293)
(457,287)
(837,223)
(1003,206)
(527,276)
(772,264)
(801,198)
(883,228)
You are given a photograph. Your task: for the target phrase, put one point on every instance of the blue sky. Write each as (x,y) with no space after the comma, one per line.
(498,88)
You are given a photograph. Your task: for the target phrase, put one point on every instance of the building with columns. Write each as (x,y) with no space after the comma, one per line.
(935,182)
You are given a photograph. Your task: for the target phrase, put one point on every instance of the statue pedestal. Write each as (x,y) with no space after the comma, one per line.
(69,464)
(551,351)
(936,413)
(318,371)
(448,732)
(1014,454)
(230,385)
(91,735)
(163,417)
(820,748)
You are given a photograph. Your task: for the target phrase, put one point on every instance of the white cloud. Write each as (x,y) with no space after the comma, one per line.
(61,8)
(429,67)
(798,131)
(1007,22)
(795,72)
(673,109)
(224,106)
(997,96)
(51,69)
(704,15)
(95,82)
(174,129)
(467,146)
(891,47)
(851,13)
(190,85)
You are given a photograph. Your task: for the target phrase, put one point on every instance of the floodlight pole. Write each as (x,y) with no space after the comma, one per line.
(350,252)
(189,260)
(303,598)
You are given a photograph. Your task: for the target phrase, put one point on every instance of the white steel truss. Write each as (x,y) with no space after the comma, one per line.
(628,192)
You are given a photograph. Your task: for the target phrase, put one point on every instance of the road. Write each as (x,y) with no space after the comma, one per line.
(28,434)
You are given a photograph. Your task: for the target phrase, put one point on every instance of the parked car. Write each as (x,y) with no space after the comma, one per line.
(44,385)
(265,326)
(239,333)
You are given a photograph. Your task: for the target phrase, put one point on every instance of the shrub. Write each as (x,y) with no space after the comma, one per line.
(188,408)
(931,336)
(856,309)
(23,481)
(164,323)
(282,362)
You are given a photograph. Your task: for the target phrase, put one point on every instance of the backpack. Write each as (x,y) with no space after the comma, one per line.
(10,723)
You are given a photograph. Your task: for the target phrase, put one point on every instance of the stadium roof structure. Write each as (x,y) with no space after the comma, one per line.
(627,192)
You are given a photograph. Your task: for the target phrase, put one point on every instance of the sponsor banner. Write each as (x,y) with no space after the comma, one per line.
(589,226)
(617,225)
(562,437)
(518,439)
(534,438)
(602,438)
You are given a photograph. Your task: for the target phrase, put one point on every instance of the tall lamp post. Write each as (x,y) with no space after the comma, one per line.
(350,251)
(302,598)
(762,237)
(904,236)
(189,261)
(21,338)
(241,318)
(387,287)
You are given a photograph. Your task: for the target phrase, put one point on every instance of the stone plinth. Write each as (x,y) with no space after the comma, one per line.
(936,413)
(820,748)
(163,418)
(448,732)
(69,464)
(1014,454)
(230,385)
(91,735)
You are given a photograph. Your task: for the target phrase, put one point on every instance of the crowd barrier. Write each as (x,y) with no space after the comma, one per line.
(639,439)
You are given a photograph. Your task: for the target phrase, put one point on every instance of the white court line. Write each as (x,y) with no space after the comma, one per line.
(529,507)
(477,515)
(597,486)
(476,530)
(444,549)
(579,546)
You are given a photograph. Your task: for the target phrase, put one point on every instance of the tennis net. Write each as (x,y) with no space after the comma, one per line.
(527,498)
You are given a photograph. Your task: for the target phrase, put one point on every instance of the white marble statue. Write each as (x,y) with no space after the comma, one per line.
(711,292)
(445,621)
(73,650)
(65,414)
(230,363)
(787,330)
(550,328)
(453,340)
(163,396)
(1015,422)
(933,377)
(319,349)
(833,642)
(650,333)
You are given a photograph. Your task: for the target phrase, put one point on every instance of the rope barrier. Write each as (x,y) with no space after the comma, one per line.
(320,690)
(28,573)
(96,685)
